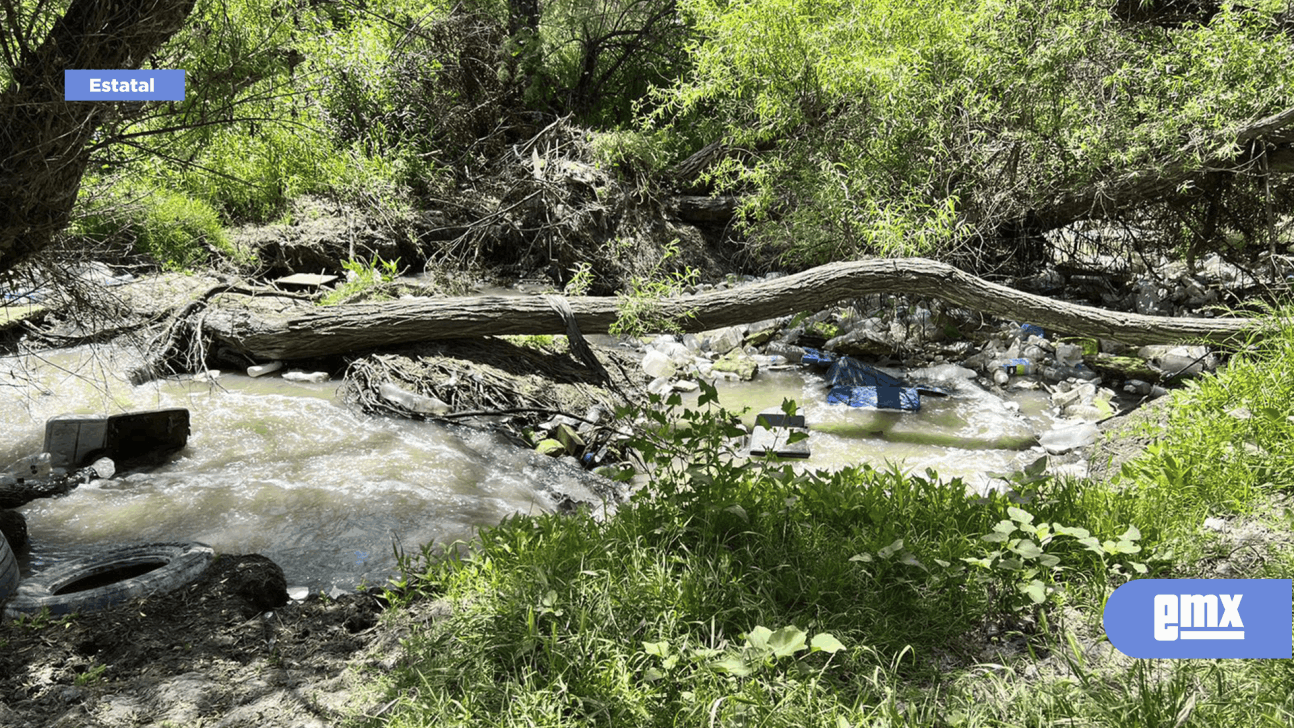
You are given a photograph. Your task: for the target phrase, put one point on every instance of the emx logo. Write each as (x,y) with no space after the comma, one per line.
(1182,618)
(1174,614)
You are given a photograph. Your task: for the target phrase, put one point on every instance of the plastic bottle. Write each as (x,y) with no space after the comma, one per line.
(1018,366)
(260,370)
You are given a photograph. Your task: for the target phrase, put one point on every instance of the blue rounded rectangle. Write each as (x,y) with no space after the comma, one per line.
(110,85)
(1202,618)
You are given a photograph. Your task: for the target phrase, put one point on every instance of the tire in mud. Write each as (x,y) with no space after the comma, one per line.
(8,570)
(98,582)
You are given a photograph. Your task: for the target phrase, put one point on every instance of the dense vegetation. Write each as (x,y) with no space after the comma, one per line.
(962,128)
(744,594)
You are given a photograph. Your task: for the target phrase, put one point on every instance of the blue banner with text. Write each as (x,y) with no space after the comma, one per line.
(1201,618)
(155,85)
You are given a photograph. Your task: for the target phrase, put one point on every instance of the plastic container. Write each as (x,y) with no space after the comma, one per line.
(658,365)
(261,370)
(1069,355)
(1018,366)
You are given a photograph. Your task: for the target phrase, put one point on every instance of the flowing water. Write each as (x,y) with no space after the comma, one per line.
(272,467)
(963,436)
(283,469)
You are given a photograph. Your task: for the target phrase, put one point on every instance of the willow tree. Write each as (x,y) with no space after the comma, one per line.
(45,140)
(968,127)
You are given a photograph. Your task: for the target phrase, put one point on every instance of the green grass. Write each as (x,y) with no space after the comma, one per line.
(702,601)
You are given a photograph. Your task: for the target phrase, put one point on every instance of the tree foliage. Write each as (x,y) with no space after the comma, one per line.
(928,127)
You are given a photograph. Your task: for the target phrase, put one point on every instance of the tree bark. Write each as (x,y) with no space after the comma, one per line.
(302,332)
(43,139)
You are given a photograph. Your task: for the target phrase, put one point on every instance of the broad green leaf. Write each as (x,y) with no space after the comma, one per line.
(1019,516)
(787,641)
(1004,527)
(731,665)
(1074,531)
(1132,534)
(1037,591)
(796,436)
(890,550)
(758,637)
(651,674)
(1049,560)
(995,537)
(738,511)
(908,559)
(864,557)
(1027,549)
(1138,567)
(659,649)
(825,642)
(1036,468)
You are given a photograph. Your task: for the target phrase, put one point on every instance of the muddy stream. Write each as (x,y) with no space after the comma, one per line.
(285,470)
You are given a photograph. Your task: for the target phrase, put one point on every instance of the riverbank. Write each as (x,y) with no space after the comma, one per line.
(748,597)
(654,615)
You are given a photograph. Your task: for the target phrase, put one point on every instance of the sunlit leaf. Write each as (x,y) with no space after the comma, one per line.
(732,665)
(825,642)
(787,641)
(890,550)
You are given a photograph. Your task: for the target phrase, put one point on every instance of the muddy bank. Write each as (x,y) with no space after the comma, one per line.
(228,650)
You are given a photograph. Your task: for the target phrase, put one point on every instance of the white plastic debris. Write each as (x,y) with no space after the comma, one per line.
(261,370)
(104,468)
(411,401)
(1064,439)
(1069,355)
(658,365)
(210,375)
(297,375)
(35,466)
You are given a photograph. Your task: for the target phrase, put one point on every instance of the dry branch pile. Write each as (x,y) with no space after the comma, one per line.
(490,376)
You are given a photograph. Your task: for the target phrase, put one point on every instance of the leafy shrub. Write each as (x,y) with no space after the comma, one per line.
(170,227)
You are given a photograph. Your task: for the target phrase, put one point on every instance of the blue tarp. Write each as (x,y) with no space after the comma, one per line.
(897,398)
(817,358)
(848,372)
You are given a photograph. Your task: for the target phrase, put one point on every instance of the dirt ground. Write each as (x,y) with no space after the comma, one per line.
(228,650)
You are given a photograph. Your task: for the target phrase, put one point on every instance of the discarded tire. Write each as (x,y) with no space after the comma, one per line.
(8,570)
(94,583)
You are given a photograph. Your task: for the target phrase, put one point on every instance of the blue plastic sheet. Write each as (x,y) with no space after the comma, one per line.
(896,398)
(849,372)
(817,358)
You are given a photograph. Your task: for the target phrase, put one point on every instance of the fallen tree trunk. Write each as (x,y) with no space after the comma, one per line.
(301,331)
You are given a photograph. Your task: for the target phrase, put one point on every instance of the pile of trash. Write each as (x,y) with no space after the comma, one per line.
(731,353)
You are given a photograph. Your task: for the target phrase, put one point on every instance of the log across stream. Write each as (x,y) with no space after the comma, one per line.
(275,328)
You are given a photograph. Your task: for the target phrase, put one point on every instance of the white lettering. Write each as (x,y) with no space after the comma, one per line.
(1231,610)
(94,86)
(1199,610)
(1197,617)
(1165,615)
